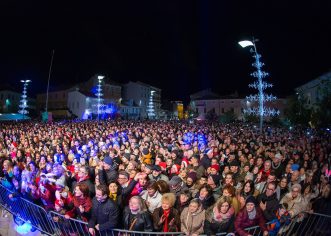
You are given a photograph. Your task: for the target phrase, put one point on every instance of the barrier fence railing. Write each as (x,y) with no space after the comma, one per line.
(55,224)
(26,211)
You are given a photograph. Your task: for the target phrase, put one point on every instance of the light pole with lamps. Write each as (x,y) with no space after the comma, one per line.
(260,85)
(24,99)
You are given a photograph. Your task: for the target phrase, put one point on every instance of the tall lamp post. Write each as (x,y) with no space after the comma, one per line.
(260,85)
(99,94)
(24,99)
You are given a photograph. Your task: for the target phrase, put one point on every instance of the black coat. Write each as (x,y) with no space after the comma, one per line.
(271,207)
(108,176)
(212,227)
(105,214)
(207,202)
(143,221)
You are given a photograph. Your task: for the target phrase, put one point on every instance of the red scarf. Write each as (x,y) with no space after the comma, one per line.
(166,214)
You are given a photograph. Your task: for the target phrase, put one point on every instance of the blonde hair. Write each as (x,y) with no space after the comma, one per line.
(142,205)
(222,200)
(170,198)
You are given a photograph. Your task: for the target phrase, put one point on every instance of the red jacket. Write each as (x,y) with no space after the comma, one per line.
(242,221)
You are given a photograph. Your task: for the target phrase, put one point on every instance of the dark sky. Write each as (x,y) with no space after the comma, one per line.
(179,46)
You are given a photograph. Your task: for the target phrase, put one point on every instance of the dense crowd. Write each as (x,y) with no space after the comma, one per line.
(193,178)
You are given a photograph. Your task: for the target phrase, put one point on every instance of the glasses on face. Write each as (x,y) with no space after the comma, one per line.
(270,189)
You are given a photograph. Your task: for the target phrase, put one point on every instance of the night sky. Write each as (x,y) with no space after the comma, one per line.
(178,46)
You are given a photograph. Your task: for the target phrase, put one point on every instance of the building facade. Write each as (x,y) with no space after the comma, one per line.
(147,97)
(10,101)
(206,101)
(57,103)
(315,90)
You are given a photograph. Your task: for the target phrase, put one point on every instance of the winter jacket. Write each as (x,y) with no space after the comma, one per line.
(108,176)
(174,214)
(142,223)
(105,214)
(295,206)
(192,223)
(242,221)
(211,226)
(153,202)
(272,205)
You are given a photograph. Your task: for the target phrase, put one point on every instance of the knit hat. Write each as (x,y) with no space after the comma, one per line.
(192,175)
(163,165)
(108,160)
(251,199)
(216,167)
(145,151)
(216,179)
(185,162)
(175,181)
(295,167)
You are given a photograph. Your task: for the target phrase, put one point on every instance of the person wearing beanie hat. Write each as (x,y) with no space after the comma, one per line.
(157,174)
(108,160)
(249,216)
(214,169)
(191,183)
(184,164)
(107,171)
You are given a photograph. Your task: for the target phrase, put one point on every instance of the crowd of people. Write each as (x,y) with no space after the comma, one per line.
(195,178)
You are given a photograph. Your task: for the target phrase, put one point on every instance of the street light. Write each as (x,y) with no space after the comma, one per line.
(24,98)
(260,85)
(99,93)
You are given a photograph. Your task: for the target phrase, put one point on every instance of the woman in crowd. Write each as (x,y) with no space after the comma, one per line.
(283,186)
(229,191)
(205,195)
(250,215)
(82,203)
(166,218)
(136,216)
(219,217)
(192,218)
(247,190)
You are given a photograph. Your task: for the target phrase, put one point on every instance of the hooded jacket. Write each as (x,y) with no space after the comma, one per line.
(192,223)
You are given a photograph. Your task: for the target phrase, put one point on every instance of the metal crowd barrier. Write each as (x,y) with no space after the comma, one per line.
(54,224)
(26,211)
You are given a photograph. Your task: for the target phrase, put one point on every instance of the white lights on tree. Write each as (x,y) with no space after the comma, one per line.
(260,85)
(24,98)
(151,105)
(99,95)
